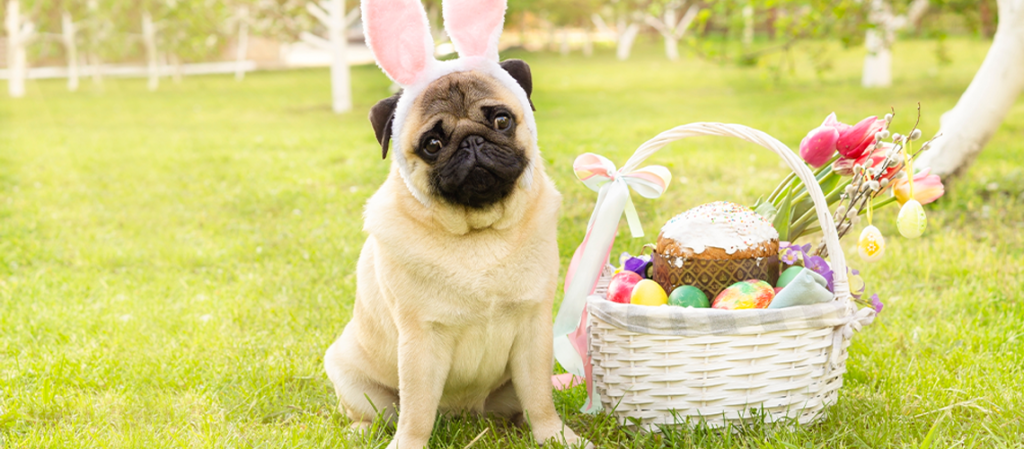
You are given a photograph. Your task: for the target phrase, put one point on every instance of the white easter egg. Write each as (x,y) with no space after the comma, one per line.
(911,220)
(871,245)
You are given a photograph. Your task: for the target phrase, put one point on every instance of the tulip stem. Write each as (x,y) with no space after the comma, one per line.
(789,179)
(784,183)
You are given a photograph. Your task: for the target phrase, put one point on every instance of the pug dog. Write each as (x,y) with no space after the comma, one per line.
(456,279)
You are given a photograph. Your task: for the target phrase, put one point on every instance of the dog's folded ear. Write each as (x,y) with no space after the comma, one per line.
(520,71)
(381,116)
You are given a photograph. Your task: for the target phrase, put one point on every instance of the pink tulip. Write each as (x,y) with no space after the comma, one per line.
(820,144)
(844,166)
(855,140)
(927,188)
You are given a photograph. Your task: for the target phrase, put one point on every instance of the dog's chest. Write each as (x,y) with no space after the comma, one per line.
(480,360)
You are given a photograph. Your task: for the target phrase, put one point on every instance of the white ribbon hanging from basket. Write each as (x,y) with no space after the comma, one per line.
(613,200)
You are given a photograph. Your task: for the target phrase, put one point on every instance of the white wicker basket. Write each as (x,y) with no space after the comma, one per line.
(648,379)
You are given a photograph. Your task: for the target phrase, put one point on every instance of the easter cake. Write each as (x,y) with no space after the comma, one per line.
(715,245)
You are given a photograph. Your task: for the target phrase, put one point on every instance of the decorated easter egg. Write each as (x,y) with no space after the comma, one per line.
(749,294)
(871,245)
(621,287)
(648,293)
(788,275)
(911,220)
(688,296)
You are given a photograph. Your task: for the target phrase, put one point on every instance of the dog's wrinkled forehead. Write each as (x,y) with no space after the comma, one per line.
(455,93)
(460,94)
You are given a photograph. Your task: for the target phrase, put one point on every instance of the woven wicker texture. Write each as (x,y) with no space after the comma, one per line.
(649,379)
(663,379)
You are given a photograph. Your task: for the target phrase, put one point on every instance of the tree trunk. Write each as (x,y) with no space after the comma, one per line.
(242,46)
(341,86)
(95,68)
(588,43)
(748,25)
(563,43)
(552,37)
(879,40)
(176,74)
(976,117)
(149,41)
(878,61)
(671,48)
(16,58)
(626,39)
(68,36)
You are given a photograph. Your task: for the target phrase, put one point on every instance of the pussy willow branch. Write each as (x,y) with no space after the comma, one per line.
(862,190)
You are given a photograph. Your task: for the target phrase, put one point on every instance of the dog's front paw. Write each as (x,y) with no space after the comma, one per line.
(566,437)
(406,443)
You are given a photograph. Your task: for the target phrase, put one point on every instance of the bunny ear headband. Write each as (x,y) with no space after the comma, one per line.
(398,34)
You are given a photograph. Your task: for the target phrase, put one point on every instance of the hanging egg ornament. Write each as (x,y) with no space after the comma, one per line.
(911,220)
(871,245)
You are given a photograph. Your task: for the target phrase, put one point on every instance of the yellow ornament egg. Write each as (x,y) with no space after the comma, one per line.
(648,293)
(911,221)
(871,245)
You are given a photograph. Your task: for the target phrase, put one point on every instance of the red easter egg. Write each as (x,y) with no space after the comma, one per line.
(621,288)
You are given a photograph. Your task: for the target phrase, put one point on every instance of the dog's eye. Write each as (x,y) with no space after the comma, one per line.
(432,146)
(502,122)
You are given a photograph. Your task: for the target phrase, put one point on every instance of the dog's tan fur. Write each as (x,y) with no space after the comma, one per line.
(453,304)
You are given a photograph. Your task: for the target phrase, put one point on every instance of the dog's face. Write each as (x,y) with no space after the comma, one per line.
(463,139)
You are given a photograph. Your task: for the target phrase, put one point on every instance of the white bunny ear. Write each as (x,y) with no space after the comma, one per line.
(398,33)
(474,26)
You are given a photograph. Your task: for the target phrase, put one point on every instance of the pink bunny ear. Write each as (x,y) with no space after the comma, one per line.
(398,33)
(474,26)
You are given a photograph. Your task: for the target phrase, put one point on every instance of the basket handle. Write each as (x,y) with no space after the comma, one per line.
(828,226)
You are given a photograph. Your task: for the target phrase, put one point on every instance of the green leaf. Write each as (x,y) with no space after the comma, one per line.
(766,210)
(783,216)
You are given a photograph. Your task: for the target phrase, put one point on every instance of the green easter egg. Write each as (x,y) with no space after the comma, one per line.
(788,275)
(688,296)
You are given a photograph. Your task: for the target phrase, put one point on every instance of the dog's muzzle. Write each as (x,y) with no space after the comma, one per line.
(480,173)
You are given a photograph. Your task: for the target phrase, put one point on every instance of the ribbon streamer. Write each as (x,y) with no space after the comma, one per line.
(613,200)
(855,323)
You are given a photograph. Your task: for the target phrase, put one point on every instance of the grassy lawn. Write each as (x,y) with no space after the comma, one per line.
(174,264)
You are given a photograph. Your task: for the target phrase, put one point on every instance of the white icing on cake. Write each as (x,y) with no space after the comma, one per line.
(719,225)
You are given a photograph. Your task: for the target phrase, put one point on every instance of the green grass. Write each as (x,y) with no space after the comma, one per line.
(174,264)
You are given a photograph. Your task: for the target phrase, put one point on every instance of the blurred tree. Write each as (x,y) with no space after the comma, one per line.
(663,16)
(983,106)
(563,14)
(880,37)
(627,17)
(336,20)
(20,31)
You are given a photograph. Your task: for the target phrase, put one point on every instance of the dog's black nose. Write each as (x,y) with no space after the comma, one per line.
(472,143)
(479,173)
